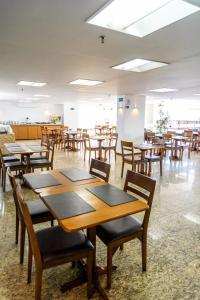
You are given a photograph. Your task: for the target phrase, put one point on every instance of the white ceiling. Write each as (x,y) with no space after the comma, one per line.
(49,41)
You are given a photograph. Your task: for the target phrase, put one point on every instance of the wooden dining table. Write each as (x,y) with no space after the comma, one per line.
(147,147)
(25,150)
(99,139)
(101,213)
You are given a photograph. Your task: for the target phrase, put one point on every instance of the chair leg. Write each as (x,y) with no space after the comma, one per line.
(22,241)
(109,266)
(30,257)
(161,167)
(17,228)
(89,274)
(4,180)
(52,224)
(149,173)
(38,284)
(122,172)
(144,253)
(121,247)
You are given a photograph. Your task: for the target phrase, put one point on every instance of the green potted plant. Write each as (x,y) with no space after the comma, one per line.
(162,122)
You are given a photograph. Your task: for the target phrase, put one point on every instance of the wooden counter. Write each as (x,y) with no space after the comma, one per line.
(31,131)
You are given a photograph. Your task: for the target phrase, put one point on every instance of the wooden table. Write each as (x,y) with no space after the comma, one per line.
(99,139)
(25,150)
(177,139)
(103,213)
(62,179)
(73,140)
(146,147)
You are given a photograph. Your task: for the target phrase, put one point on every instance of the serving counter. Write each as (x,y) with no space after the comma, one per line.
(31,131)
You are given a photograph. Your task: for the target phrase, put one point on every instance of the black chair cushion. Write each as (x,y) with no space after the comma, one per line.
(14,164)
(153,158)
(118,229)
(55,243)
(40,161)
(10,158)
(38,210)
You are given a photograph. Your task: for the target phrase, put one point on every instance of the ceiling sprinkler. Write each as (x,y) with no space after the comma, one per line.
(102,37)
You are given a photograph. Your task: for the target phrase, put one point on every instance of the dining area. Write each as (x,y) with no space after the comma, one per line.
(77,199)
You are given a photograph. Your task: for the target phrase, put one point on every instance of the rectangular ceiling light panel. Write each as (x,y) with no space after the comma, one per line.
(163,90)
(31,83)
(85,82)
(139,65)
(141,17)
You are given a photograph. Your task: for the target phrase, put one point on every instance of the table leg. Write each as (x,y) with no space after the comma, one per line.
(142,158)
(91,234)
(100,151)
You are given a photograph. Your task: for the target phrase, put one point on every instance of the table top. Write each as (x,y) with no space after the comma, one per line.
(22,148)
(145,147)
(62,179)
(180,138)
(103,212)
(99,137)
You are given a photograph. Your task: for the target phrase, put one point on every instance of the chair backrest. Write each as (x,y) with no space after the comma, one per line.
(14,187)
(113,140)
(86,140)
(51,149)
(188,133)
(127,150)
(100,169)
(143,187)
(150,135)
(29,225)
(172,132)
(84,130)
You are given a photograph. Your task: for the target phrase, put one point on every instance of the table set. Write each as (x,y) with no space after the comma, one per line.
(87,210)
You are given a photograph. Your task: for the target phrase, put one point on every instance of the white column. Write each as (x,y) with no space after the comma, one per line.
(71,115)
(131,119)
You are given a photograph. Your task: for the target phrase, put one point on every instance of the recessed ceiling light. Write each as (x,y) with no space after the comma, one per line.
(42,95)
(31,83)
(85,82)
(196,94)
(139,65)
(32,98)
(141,17)
(163,90)
(25,101)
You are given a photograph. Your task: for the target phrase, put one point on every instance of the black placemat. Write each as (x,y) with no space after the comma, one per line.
(67,205)
(111,195)
(10,145)
(16,149)
(41,181)
(76,174)
(36,148)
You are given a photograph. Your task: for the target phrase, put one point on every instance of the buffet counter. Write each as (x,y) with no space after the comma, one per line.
(31,131)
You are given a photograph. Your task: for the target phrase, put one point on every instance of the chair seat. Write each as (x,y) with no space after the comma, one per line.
(38,210)
(136,160)
(15,164)
(153,158)
(10,158)
(55,243)
(40,161)
(118,229)
(38,157)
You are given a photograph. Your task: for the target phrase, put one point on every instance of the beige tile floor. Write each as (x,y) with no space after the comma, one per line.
(173,242)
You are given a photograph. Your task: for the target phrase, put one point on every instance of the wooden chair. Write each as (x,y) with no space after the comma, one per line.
(89,146)
(115,233)
(14,165)
(129,157)
(45,162)
(154,157)
(110,144)
(52,247)
(38,211)
(170,146)
(149,136)
(189,142)
(100,169)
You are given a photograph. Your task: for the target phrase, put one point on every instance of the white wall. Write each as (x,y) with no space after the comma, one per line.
(130,122)
(39,112)
(71,114)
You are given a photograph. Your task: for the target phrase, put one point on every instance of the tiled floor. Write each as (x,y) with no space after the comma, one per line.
(173,243)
